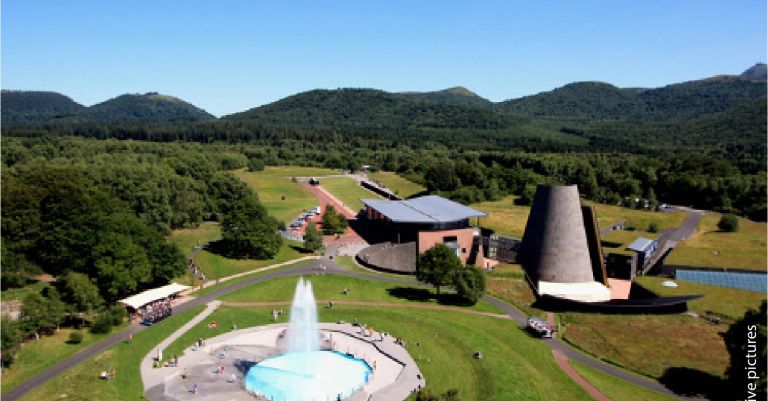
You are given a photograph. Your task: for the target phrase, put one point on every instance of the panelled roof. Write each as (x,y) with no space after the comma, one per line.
(425,209)
(640,244)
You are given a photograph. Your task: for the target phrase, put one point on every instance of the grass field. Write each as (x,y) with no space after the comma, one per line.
(709,247)
(330,287)
(186,239)
(609,214)
(649,344)
(729,302)
(199,293)
(615,389)
(35,356)
(400,186)
(507,283)
(504,217)
(348,191)
(217,266)
(514,365)
(83,383)
(282,197)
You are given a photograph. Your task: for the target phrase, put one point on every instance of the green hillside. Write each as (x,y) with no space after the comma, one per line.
(368,108)
(456,96)
(36,106)
(149,107)
(601,101)
(757,71)
(580,100)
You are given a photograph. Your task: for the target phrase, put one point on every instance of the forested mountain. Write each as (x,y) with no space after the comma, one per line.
(580,100)
(757,71)
(22,107)
(456,96)
(601,101)
(721,116)
(149,107)
(35,106)
(367,108)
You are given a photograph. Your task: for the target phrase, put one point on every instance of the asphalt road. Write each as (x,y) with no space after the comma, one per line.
(309,269)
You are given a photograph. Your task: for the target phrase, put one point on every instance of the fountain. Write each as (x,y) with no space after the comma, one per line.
(302,331)
(304,372)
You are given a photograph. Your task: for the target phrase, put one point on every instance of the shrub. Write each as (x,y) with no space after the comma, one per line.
(728,223)
(653,227)
(75,337)
(102,324)
(116,314)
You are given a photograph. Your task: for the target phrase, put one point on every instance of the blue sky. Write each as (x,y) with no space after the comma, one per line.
(228,56)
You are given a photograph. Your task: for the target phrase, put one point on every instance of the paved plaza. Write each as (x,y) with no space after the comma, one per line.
(199,376)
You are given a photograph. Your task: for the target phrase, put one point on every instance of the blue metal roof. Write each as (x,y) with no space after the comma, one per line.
(424,209)
(640,244)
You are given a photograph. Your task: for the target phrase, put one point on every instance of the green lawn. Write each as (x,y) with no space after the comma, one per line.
(649,344)
(348,191)
(507,282)
(402,187)
(227,283)
(515,366)
(729,302)
(745,249)
(615,389)
(83,383)
(217,266)
(504,217)
(282,197)
(35,356)
(298,171)
(186,239)
(329,287)
(609,214)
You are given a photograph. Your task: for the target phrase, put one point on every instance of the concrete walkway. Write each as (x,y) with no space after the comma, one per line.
(151,376)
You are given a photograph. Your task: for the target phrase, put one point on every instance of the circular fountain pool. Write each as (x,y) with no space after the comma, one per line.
(307,376)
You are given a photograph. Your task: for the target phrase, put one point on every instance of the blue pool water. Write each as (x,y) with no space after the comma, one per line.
(307,376)
(743,281)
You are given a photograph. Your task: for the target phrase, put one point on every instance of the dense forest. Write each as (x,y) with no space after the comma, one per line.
(94,214)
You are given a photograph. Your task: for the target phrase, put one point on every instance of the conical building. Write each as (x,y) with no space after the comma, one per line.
(555,253)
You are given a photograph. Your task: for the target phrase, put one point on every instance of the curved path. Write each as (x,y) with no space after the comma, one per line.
(310,268)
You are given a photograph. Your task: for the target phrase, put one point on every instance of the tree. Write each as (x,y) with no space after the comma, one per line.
(121,266)
(40,313)
(312,238)
(470,284)
(334,223)
(526,196)
(728,223)
(746,344)
(248,232)
(437,266)
(81,292)
(10,331)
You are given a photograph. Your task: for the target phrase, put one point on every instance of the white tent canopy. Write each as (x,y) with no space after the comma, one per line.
(149,296)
